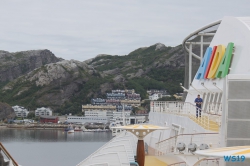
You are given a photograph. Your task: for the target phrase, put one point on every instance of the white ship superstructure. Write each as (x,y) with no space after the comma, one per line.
(225,90)
(226,101)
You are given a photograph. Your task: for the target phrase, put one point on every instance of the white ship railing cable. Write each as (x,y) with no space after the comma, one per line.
(207,160)
(208,120)
(178,164)
(169,145)
(217,160)
(7,154)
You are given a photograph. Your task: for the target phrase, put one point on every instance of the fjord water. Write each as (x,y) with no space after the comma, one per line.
(51,147)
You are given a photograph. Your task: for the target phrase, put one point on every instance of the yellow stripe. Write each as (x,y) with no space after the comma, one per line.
(153,161)
(243,152)
(228,149)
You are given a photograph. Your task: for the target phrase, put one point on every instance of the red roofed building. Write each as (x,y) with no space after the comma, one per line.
(47,119)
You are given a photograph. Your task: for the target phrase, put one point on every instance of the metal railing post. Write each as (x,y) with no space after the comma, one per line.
(190,65)
(209,121)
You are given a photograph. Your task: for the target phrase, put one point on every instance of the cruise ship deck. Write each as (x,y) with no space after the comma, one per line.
(151,159)
(119,149)
(222,82)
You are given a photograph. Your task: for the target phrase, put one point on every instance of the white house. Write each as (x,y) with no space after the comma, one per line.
(43,111)
(155,96)
(20,111)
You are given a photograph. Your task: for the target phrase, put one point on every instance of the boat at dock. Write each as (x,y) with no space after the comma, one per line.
(70,129)
(79,128)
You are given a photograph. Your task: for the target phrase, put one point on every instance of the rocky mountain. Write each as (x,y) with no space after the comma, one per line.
(6,111)
(156,66)
(50,85)
(66,85)
(13,65)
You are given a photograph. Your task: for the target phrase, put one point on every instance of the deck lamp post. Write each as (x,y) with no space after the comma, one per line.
(140,131)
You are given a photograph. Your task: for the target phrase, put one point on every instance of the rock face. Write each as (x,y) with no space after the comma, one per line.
(159,46)
(13,65)
(6,111)
(59,70)
(50,85)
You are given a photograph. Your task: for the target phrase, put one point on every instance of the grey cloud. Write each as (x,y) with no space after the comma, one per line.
(82,29)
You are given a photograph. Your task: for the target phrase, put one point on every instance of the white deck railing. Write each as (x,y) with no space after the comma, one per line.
(178,164)
(215,108)
(209,120)
(204,162)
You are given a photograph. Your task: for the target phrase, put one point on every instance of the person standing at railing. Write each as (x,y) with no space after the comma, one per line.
(198,102)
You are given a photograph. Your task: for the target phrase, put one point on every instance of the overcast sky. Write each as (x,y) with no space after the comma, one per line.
(82,29)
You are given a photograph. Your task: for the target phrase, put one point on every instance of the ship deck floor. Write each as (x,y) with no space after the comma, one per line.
(152,160)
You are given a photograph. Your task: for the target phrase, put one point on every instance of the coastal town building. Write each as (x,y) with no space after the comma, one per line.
(116,96)
(118,91)
(98,113)
(129,91)
(62,118)
(120,114)
(43,112)
(80,119)
(23,121)
(113,106)
(20,111)
(98,101)
(133,96)
(126,108)
(129,119)
(152,91)
(135,103)
(110,114)
(48,119)
(90,107)
(155,94)
(113,101)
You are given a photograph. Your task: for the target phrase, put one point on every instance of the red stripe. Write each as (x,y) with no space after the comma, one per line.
(210,62)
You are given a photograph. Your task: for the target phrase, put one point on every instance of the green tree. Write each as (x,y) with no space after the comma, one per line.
(31,115)
(172,98)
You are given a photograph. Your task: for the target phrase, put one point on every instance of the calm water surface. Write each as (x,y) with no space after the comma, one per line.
(51,147)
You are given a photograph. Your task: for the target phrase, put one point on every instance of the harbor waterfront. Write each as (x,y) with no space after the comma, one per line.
(51,147)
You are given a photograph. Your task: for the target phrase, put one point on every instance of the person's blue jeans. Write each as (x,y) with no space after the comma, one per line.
(198,111)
